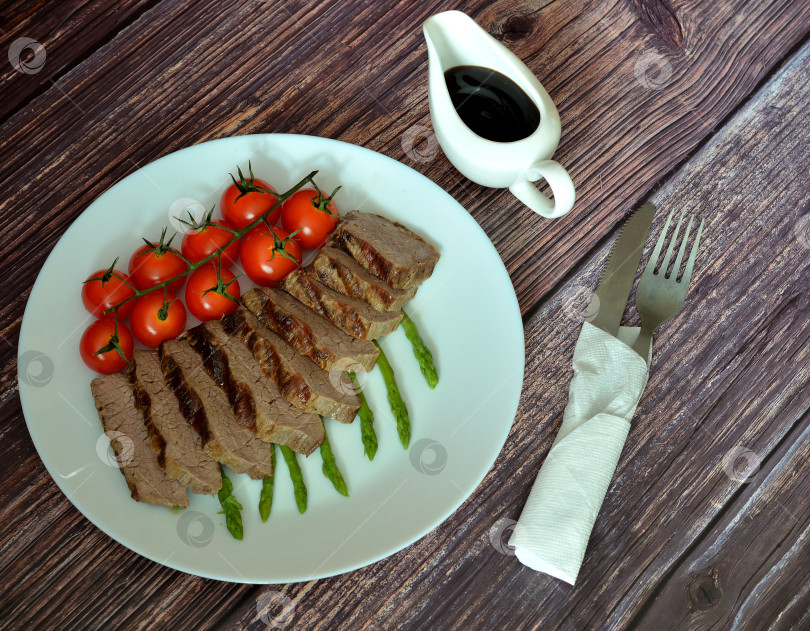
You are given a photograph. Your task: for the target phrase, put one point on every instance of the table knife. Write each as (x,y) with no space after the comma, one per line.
(620,270)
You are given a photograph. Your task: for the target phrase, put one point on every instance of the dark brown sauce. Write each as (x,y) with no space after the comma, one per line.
(491,104)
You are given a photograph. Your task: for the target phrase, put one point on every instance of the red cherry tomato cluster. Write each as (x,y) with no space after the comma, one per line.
(267,253)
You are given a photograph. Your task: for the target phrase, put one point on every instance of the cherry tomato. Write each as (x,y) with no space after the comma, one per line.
(154,264)
(153,320)
(269,255)
(312,214)
(246,199)
(210,305)
(97,336)
(201,243)
(107,291)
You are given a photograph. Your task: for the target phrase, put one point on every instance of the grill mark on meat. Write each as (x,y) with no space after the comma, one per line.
(143,403)
(365,255)
(216,363)
(291,329)
(348,281)
(292,386)
(313,301)
(339,271)
(181,452)
(385,248)
(229,443)
(299,379)
(351,315)
(114,399)
(276,419)
(190,405)
(236,325)
(309,333)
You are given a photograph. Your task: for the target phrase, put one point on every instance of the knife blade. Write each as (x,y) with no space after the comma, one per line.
(620,270)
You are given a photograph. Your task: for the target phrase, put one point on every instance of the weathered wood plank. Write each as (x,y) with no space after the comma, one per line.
(751,571)
(718,381)
(633,106)
(171,81)
(67,32)
(98,124)
(83,579)
(620,135)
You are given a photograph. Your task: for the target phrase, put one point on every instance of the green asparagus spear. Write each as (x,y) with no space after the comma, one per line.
(230,507)
(366,421)
(296,476)
(395,399)
(266,496)
(420,351)
(330,468)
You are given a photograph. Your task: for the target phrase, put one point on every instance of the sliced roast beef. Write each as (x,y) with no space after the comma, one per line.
(339,271)
(137,459)
(352,315)
(385,248)
(238,373)
(300,380)
(181,454)
(310,334)
(226,436)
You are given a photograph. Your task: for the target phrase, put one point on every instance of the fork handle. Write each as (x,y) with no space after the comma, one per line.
(644,342)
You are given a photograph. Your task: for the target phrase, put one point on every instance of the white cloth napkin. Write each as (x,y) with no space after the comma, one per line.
(554,527)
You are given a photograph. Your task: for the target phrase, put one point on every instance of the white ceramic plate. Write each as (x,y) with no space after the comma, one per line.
(467,312)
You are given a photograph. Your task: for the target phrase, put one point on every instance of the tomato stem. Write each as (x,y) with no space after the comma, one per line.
(161,248)
(108,273)
(192,224)
(125,281)
(237,234)
(247,185)
(221,287)
(113,343)
(279,245)
(163,312)
(322,203)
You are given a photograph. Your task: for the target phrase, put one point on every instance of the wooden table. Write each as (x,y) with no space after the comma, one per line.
(700,106)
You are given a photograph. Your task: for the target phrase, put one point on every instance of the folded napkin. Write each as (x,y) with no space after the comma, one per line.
(554,527)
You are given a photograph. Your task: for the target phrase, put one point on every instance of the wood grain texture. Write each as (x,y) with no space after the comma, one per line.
(717,385)
(632,106)
(152,92)
(750,572)
(728,372)
(169,80)
(68,32)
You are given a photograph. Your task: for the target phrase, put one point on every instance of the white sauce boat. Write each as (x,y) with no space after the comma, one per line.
(454,39)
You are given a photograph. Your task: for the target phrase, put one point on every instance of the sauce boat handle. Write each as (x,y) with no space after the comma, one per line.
(561,186)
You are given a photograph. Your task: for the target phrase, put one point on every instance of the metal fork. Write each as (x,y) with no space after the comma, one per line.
(659,298)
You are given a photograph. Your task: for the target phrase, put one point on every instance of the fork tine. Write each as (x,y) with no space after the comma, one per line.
(690,264)
(682,249)
(659,245)
(671,247)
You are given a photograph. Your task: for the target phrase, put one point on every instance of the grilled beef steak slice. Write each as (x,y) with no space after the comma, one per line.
(351,315)
(205,406)
(339,271)
(182,456)
(300,380)
(385,248)
(310,334)
(123,422)
(238,373)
